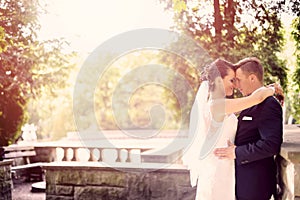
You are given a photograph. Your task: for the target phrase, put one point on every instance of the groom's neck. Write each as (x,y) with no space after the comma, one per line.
(255,86)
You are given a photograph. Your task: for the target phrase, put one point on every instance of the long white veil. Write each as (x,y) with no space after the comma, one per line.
(197,128)
(201,126)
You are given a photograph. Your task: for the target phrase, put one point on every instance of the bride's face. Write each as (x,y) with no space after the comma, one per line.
(228,82)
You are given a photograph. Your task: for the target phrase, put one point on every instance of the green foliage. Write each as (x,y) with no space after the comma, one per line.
(187,66)
(234,30)
(3,42)
(21,58)
(122,99)
(51,107)
(292,7)
(296,35)
(289,6)
(296,75)
(17,21)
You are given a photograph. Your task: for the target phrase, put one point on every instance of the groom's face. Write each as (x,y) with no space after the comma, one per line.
(243,82)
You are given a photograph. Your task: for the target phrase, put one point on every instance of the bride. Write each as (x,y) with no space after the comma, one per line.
(212,124)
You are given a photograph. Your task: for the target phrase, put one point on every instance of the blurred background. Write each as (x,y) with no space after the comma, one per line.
(44,43)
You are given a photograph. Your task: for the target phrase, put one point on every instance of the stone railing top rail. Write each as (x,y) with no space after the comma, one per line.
(116,166)
(125,134)
(151,143)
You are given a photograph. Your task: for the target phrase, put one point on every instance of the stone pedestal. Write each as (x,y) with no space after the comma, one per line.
(289,163)
(5,180)
(44,154)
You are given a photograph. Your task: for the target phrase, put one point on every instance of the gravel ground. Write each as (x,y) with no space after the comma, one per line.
(22,191)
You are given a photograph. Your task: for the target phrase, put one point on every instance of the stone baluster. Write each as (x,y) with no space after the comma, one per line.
(75,154)
(128,155)
(65,149)
(118,155)
(92,157)
(100,159)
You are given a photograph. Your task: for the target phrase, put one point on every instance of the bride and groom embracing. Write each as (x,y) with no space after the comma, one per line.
(232,157)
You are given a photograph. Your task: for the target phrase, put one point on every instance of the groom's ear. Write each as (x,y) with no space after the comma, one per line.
(252,77)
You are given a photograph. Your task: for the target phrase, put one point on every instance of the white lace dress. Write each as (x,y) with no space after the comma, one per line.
(215,178)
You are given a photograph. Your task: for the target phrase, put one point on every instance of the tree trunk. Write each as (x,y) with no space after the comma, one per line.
(229,18)
(218,24)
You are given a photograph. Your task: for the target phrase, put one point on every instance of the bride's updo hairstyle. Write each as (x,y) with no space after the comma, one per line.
(218,68)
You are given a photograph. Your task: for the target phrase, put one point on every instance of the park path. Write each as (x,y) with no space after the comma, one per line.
(22,191)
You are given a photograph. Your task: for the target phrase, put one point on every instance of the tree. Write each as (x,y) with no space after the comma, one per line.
(234,30)
(18,19)
(21,57)
(296,35)
(292,8)
(51,107)
(296,76)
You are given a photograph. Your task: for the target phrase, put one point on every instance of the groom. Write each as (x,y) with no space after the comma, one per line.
(258,138)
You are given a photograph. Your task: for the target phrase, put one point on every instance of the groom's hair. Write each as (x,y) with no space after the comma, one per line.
(251,65)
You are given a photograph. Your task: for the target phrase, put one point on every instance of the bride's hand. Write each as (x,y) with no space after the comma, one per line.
(226,152)
(278,92)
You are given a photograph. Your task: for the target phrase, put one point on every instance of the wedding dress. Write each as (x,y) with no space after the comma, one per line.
(215,178)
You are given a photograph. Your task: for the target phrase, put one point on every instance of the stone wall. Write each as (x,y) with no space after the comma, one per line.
(5,180)
(74,180)
(289,164)
(91,180)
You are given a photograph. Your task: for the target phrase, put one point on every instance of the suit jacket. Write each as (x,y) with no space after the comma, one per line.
(258,139)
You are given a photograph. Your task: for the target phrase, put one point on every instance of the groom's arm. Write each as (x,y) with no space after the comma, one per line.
(270,128)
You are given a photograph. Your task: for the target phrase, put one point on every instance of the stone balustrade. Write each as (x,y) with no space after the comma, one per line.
(123,148)
(288,162)
(56,152)
(95,178)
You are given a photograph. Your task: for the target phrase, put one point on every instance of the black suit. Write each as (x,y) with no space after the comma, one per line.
(258,139)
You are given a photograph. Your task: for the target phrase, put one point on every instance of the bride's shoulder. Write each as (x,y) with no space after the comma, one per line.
(231,117)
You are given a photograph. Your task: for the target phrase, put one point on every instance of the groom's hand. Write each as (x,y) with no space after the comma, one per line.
(226,153)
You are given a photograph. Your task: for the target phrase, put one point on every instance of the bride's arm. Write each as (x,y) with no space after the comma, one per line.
(225,106)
